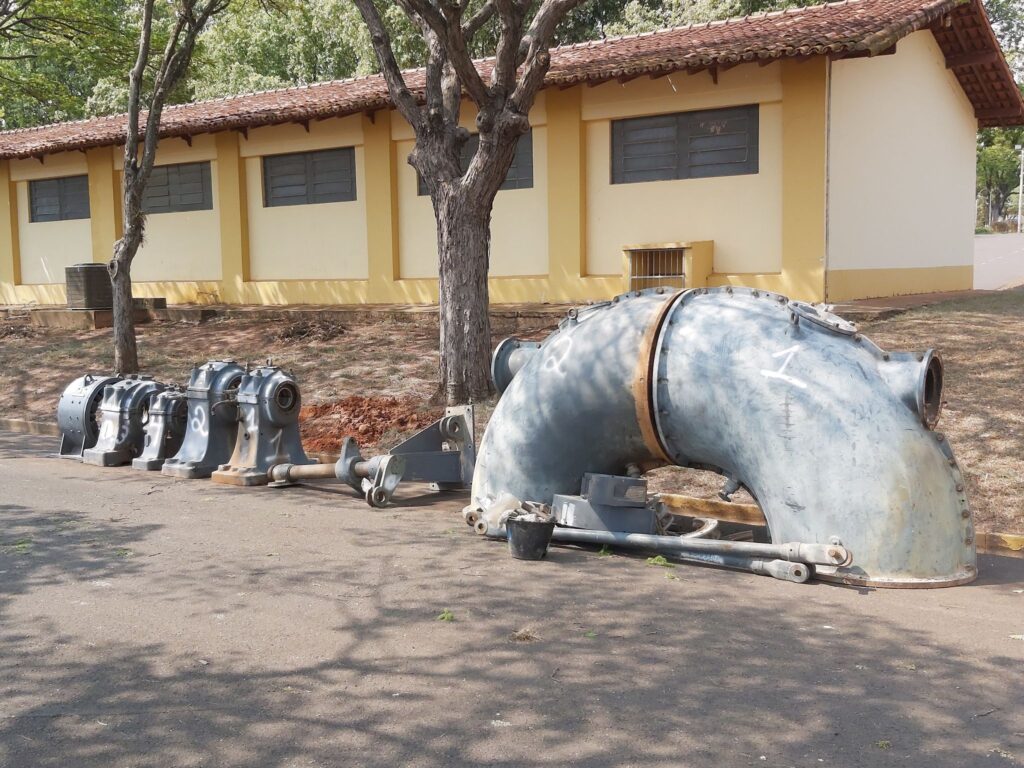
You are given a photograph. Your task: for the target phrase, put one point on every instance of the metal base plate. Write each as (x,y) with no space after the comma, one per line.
(840,576)
(150,465)
(577,512)
(186,470)
(105,458)
(243,477)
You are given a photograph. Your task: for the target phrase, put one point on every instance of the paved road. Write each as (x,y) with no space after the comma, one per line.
(998,261)
(151,622)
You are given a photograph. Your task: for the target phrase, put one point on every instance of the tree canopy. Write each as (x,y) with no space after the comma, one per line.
(75,65)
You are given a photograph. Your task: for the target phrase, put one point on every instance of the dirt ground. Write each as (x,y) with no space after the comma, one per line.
(375,380)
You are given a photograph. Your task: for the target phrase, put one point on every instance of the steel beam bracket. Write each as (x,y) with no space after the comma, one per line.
(443,454)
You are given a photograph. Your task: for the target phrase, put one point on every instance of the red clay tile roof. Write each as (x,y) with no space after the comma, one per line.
(839,30)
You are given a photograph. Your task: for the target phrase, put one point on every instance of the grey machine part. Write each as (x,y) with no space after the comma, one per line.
(796,571)
(165,429)
(443,454)
(78,414)
(831,435)
(268,402)
(607,503)
(124,413)
(212,421)
(375,479)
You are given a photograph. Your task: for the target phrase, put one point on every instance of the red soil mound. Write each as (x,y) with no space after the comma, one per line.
(365,418)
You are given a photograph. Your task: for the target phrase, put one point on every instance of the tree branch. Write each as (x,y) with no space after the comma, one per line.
(534,51)
(478,20)
(448,29)
(403,99)
(138,71)
(511,16)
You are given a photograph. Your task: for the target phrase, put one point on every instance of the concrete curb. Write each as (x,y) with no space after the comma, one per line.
(30,427)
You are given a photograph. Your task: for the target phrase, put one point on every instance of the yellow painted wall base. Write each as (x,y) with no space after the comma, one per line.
(843,285)
(503,290)
(850,284)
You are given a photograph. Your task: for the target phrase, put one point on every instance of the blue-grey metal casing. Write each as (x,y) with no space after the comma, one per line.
(124,412)
(829,433)
(268,428)
(165,429)
(77,414)
(212,420)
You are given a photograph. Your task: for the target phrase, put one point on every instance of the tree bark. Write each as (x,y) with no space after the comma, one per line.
(126,354)
(463,246)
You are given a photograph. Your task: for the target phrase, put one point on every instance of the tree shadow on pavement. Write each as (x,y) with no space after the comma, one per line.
(622,664)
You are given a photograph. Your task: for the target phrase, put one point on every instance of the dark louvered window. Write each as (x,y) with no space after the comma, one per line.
(520,173)
(303,178)
(685,145)
(173,188)
(59,199)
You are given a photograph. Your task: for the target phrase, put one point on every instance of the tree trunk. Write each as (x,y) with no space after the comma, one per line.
(463,245)
(126,355)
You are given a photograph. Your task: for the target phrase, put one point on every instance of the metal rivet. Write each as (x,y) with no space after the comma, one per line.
(960,487)
(886,356)
(965,513)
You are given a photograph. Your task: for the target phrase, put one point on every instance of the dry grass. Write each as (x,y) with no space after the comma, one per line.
(982,345)
(981,340)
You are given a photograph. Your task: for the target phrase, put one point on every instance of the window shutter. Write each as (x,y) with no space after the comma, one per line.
(711,142)
(302,178)
(59,199)
(178,188)
(646,149)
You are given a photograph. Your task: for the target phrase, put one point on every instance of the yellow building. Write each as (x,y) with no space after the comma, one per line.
(826,153)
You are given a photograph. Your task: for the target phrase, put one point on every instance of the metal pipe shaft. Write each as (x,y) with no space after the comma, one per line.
(290,473)
(821,554)
(797,573)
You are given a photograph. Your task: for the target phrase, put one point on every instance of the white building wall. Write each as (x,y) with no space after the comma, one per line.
(901,162)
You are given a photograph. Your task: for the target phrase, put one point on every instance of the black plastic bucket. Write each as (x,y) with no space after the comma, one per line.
(528,540)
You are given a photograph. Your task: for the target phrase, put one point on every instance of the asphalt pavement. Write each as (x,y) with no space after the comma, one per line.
(998,261)
(148,621)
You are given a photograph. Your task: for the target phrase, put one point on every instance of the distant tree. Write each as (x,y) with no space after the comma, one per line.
(463,198)
(188,19)
(297,42)
(998,163)
(644,16)
(998,176)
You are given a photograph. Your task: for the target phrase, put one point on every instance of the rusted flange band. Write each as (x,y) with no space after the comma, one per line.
(643,380)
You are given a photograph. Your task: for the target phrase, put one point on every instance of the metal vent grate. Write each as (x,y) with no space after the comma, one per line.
(652,267)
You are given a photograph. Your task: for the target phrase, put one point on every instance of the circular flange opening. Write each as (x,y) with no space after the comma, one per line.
(930,394)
